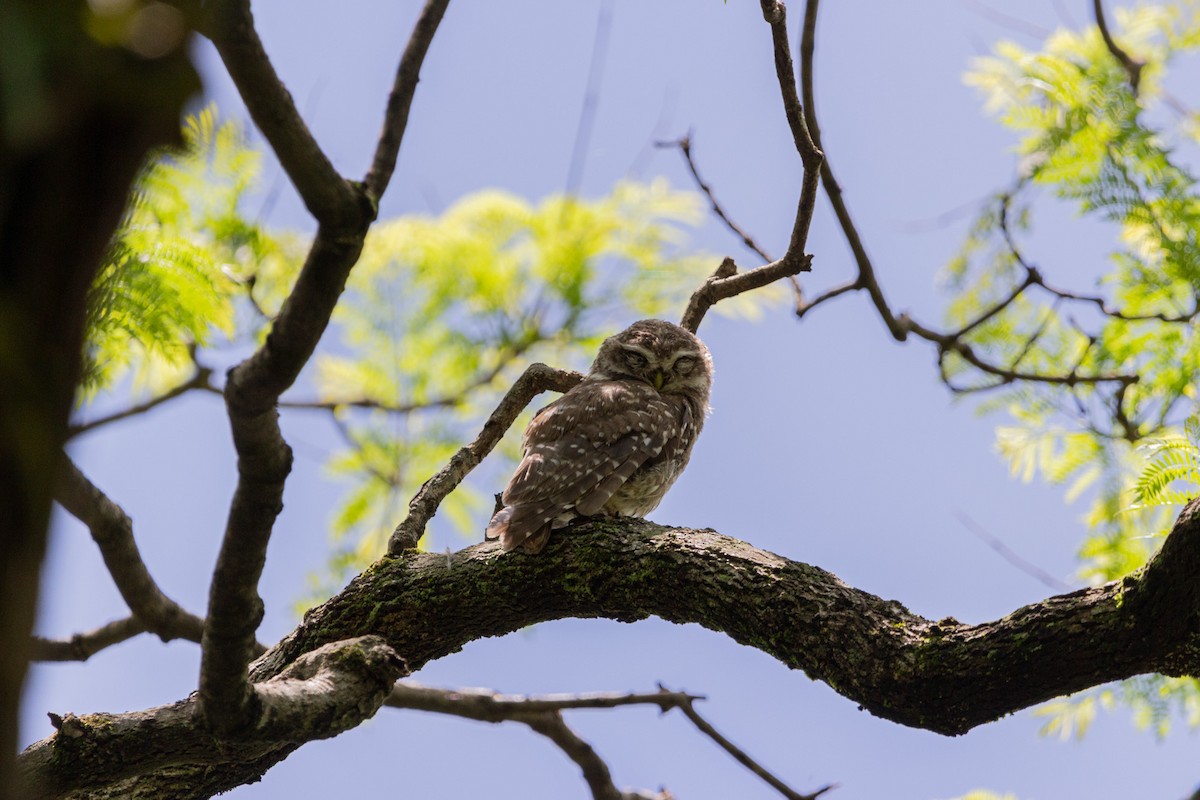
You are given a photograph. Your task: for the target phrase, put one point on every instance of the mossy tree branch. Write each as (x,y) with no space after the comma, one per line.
(943,676)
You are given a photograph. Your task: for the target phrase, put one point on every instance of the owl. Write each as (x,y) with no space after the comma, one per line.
(616,442)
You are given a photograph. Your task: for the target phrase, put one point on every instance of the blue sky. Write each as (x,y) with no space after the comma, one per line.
(829,443)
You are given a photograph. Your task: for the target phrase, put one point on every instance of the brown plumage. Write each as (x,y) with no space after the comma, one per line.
(615,443)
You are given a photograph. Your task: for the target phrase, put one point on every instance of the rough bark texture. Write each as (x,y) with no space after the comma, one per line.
(943,676)
(169,752)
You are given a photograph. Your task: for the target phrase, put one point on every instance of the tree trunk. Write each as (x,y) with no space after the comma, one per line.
(77,120)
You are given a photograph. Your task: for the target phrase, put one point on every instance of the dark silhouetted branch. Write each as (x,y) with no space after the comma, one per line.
(829,294)
(595,772)
(540,713)
(1129,64)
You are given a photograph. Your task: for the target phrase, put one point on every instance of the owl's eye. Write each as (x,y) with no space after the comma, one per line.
(684,365)
(634,359)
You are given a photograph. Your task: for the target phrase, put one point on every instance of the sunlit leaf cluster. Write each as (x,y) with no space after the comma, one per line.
(164,288)
(440,315)
(1119,157)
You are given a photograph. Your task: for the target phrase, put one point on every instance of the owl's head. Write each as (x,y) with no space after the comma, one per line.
(659,353)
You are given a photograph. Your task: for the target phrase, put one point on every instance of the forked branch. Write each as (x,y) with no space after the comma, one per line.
(344,213)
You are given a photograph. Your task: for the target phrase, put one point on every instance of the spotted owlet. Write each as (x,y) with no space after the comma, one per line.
(615,443)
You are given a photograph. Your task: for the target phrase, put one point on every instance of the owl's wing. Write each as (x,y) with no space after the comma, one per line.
(579,450)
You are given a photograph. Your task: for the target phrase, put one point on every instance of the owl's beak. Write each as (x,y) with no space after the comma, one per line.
(659,377)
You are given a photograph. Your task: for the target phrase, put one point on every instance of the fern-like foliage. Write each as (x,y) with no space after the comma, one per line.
(177,263)
(1088,141)
(1171,476)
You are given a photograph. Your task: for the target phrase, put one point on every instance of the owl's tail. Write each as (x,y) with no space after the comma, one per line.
(513,531)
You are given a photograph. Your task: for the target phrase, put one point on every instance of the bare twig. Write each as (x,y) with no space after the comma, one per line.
(866,270)
(374,405)
(900,326)
(684,145)
(1131,65)
(724,282)
(542,714)
(947,343)
(591,99)
(998,307)
(1116,313)
(536,379)
(595,772)
(806,145)
(442,401)
(1011,556)
(83,646)
(112,531)
(488,706)
(199,380)
(743,758)
(828,294)
(328,197)
(400,101)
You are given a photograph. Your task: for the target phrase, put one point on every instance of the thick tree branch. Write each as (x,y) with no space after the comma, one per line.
(253,388)
(536,379)
(112,531)
(334,688)
(83,646)
(946,677)
(395,119)
(942,676)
